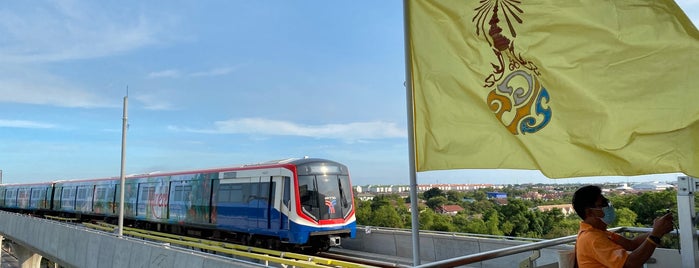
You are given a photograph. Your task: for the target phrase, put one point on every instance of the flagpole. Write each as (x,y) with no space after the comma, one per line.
(415,221)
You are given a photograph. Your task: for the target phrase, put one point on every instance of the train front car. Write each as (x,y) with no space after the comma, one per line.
(324,209)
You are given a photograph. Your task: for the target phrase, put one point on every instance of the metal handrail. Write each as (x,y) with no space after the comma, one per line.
(484,256)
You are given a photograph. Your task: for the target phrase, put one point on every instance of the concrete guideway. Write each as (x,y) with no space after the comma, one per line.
(77,246)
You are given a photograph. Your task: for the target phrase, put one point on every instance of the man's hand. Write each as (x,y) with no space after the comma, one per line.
(662,225)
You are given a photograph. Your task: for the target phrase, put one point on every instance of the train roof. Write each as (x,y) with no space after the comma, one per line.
(266,164)
(26,184)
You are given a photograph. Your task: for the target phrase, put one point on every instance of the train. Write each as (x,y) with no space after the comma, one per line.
(302,204)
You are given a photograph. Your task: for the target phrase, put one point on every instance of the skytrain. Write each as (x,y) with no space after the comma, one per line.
(304,204)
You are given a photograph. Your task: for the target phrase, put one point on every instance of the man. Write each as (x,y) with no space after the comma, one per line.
(597,247)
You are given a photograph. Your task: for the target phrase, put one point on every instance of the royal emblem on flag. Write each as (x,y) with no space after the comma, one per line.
(517,97)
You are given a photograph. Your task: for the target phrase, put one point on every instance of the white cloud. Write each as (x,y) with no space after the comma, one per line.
(165,73)
(48,90)
(214,72)
(64,30)
(349,132)
(154,102)
(23,124)
(174,73)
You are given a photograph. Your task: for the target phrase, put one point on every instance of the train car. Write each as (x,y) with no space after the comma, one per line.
(85,197)
(300,203)
(34,197)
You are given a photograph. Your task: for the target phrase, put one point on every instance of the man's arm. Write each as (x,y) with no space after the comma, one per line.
(629,244)
(642,253)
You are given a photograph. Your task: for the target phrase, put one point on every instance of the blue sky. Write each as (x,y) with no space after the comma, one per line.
(211,84)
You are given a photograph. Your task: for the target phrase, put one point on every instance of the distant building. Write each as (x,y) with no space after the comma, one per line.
(567,209)
(496,195)
(449,209)
(652,186)
(531,195)
(365,196)
(623,187)
(398,189)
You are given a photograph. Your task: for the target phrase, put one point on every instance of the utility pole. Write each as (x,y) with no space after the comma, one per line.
(124,124)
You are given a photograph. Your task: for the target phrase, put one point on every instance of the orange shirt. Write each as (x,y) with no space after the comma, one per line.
(595,249)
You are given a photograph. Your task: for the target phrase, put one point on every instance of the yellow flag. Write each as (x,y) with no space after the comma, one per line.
(569,87)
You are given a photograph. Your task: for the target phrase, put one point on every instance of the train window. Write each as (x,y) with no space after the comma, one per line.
(237,193)
(101,192)
(309,196)
(68,198)
(229,175)
(254,191)
(177,196)
(287,187)
(82,194)
(36,196)
(146,195)
(346,194)
(11,198)
(230,193)
(224,193)
(264,191)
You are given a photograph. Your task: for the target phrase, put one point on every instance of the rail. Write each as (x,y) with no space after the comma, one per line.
(261,254)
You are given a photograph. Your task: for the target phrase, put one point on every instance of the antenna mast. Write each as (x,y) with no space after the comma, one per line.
(124,124)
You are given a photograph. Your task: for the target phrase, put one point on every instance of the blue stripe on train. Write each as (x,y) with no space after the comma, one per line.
(253,218)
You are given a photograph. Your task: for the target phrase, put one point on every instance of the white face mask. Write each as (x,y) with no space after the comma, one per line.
(609,214)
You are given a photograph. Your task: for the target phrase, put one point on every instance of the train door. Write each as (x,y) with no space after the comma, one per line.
(35,198)
(2,196)
(83,199)
(231,204)
(68,199)
(254,210)
(23,198)
(11,200)
(130,198)
(279,203)
(286,204)
(103,202)
(57,191)
(266,203)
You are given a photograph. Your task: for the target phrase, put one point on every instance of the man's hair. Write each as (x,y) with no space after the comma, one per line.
(585,197)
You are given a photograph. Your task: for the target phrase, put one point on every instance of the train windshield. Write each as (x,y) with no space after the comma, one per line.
(326,196)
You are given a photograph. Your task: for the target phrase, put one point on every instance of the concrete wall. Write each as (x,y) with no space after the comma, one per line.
(75,246)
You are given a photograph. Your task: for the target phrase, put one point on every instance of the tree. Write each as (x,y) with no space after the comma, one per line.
(426,219)
(651,205)
(492,223)
(625,217)
(551,219)
(432,193)
(475,226)
(387,216)
(455,196)
(436,201)
(379,201)
(443,223)
(363,212)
